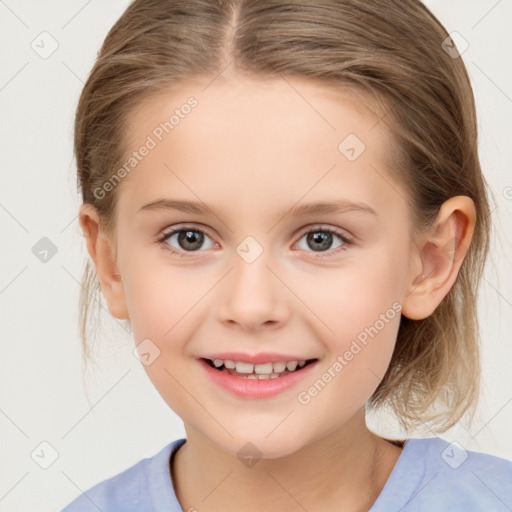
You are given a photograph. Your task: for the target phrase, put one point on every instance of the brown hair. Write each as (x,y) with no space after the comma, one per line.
(390,51)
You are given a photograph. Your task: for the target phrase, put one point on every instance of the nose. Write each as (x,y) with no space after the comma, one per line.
(253,297)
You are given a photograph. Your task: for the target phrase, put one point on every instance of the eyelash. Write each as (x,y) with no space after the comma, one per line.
(343,237)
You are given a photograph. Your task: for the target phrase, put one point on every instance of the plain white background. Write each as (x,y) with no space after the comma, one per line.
(99,423)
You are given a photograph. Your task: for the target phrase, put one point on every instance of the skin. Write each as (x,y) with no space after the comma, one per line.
(252,149)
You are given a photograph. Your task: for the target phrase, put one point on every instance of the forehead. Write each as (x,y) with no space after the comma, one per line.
(226,103)
(261,139)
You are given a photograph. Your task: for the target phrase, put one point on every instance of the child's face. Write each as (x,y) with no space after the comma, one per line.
(252,151)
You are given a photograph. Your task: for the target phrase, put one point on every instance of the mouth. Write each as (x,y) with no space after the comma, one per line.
(262,371)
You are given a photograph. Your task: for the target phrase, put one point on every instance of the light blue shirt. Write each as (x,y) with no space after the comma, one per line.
(431,475)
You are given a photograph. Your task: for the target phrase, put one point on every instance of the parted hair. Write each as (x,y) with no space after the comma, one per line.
(396,54)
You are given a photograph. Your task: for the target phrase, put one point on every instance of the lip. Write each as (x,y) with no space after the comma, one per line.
(261,357)
(255,388)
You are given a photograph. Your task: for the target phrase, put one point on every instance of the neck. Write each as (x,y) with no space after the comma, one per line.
(345,470)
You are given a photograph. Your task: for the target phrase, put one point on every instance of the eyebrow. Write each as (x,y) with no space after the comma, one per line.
(317,208)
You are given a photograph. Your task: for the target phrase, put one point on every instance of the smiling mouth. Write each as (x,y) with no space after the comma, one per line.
(258,371)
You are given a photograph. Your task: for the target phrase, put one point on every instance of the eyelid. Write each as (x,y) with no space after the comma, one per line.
(185,226)
(343,233)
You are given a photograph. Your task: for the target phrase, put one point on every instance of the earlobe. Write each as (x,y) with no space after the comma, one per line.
(103,255)
(440,255)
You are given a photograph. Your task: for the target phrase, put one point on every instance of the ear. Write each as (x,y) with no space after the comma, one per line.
(104,258)
(439,256)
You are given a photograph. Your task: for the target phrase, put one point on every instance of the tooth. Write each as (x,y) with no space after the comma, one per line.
(291,365)
(217,362)
(301,364)
(263,377)
(274,376)
(251,376)
(263,368)
(229,364)
(279,367)
(244,367)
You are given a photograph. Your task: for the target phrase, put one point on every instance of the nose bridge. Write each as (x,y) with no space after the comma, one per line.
(252,294)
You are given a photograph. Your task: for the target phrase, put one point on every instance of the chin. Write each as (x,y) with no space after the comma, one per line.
(250,448)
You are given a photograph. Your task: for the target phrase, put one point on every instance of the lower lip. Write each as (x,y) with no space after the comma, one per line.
(255,388)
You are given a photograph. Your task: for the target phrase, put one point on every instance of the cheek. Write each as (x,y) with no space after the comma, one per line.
(165,308)
(161,298)
(353,297)
(358,355)
(359,313)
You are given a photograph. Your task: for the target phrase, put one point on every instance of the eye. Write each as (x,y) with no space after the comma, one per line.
(191,239)
(188,239)
(321,240)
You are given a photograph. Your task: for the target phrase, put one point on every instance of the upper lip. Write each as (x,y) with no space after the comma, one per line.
(261,357)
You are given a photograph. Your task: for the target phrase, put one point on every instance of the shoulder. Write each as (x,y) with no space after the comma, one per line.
(456,477)
(133,489)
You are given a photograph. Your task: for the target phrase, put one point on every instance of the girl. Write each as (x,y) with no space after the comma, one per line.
(285,201)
